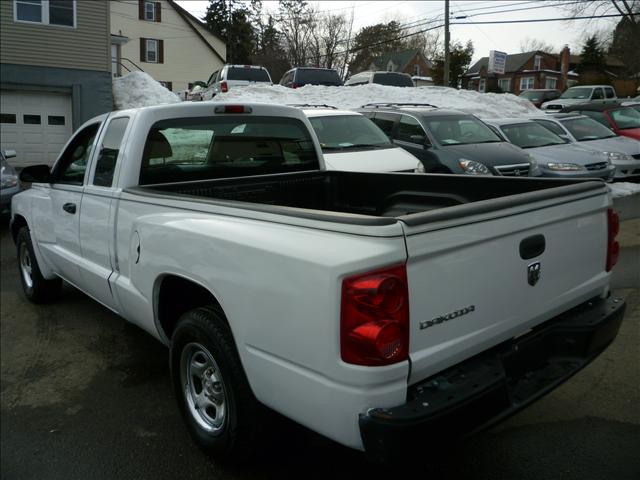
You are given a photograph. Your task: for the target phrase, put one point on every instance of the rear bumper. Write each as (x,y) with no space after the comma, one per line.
(493,385)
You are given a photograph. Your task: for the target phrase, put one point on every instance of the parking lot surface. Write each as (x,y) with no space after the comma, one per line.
(85,395)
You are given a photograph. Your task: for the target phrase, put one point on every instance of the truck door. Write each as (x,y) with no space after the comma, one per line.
(97,216)
(57,211)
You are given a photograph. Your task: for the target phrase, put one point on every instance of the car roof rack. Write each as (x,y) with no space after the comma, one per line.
(395,104)
(311,105)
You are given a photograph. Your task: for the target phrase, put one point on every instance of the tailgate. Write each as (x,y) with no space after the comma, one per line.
(470,288)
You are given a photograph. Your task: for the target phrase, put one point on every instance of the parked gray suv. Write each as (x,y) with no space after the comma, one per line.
(449,141)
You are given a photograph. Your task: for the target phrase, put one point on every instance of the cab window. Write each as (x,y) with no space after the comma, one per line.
(72,164)
(109,150)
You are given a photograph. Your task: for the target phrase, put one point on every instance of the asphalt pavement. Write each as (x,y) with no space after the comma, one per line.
(85,395)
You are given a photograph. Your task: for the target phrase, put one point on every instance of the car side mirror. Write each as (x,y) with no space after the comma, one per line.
(35,173)
(420,140)
(10,153)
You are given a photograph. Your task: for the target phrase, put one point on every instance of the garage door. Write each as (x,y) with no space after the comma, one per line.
(35,125)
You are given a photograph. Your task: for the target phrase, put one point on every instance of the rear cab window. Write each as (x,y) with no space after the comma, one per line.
(203,148)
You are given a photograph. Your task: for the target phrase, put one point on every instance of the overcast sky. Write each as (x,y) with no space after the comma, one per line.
(503,37)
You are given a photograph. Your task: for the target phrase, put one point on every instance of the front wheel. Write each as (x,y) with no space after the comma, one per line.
(210,385)
(36,288)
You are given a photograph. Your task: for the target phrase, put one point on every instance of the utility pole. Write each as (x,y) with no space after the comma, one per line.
(447,66)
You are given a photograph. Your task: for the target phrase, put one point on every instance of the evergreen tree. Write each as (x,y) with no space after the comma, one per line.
(626,44)
(374,41)
(459,60)
(592,56)
(231,21)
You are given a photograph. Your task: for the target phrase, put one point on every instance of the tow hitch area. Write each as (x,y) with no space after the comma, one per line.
(493,385)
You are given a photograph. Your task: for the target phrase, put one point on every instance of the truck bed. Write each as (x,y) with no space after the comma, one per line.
(373,198)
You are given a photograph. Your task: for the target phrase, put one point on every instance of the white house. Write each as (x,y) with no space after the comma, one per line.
(164,40)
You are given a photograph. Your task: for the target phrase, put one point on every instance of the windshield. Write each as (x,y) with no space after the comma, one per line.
(393,79)
(532,95)
(250,74)
(577,92)
(186,149)
(344,132)
(462,130)
(584,129)
(317,76)
(531,135)
(626,118)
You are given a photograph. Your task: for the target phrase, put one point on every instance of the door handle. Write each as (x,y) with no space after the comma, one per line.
(69,208)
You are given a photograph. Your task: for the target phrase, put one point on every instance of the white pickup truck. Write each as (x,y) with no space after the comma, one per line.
(382,310)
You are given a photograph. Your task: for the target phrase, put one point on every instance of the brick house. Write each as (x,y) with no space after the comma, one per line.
(523,71)
(411,61)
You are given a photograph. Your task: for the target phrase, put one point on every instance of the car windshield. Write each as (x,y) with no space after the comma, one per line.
(345,132)
(532,95)
(577,93)
(584,129)
(393,79)
(317,76)
(626,118)
(460,130)
(247,73)
(531,135)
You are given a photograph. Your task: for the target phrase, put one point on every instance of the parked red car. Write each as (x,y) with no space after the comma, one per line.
(622,120)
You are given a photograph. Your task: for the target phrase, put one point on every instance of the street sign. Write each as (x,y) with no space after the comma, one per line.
(497,61)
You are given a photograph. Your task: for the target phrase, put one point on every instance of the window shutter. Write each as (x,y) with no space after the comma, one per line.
(158,12)
(143,49)
(160,51)
(140,9)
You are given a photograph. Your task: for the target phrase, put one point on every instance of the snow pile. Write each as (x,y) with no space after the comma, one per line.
(624,189)
(484,105)
(138,89)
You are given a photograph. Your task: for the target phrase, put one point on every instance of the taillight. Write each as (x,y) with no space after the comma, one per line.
(613,248)
(224,87)
(294,85)
(374,317)
(232,109)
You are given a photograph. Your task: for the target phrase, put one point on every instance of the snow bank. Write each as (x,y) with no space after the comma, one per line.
(624,189)
(484,105)
(138,89)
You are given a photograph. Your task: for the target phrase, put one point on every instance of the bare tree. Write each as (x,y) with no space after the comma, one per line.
(627,8)
(333,35)
(533,44)
(295,21)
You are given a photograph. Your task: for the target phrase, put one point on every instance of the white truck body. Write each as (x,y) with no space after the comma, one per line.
(276,271)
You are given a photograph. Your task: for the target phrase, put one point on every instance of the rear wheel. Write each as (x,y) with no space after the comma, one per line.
(36,288)
(211,387)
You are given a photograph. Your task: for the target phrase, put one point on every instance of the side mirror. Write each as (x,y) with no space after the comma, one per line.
(420,140)
(35,173)
(9,153)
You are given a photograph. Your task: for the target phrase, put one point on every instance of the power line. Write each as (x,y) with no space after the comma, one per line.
(539,20)
(519,9)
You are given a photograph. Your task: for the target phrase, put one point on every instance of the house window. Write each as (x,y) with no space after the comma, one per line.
(551,83)
(390,66)
(150,11)
(167,85)
(527,83)
(536,62)
(46,12)
(416,70)
(505,84)
(482,85)
(152,51)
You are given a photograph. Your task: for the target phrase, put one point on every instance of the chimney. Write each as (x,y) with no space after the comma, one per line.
(564,67)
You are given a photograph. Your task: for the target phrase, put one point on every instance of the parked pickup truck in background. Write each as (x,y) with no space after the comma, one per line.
(382,310)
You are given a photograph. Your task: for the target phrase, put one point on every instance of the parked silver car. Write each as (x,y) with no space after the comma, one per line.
(556,157)
(231,76)
(623,152)
(9,181)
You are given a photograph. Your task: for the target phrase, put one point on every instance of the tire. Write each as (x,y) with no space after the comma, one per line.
(36,288)
(226,422)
